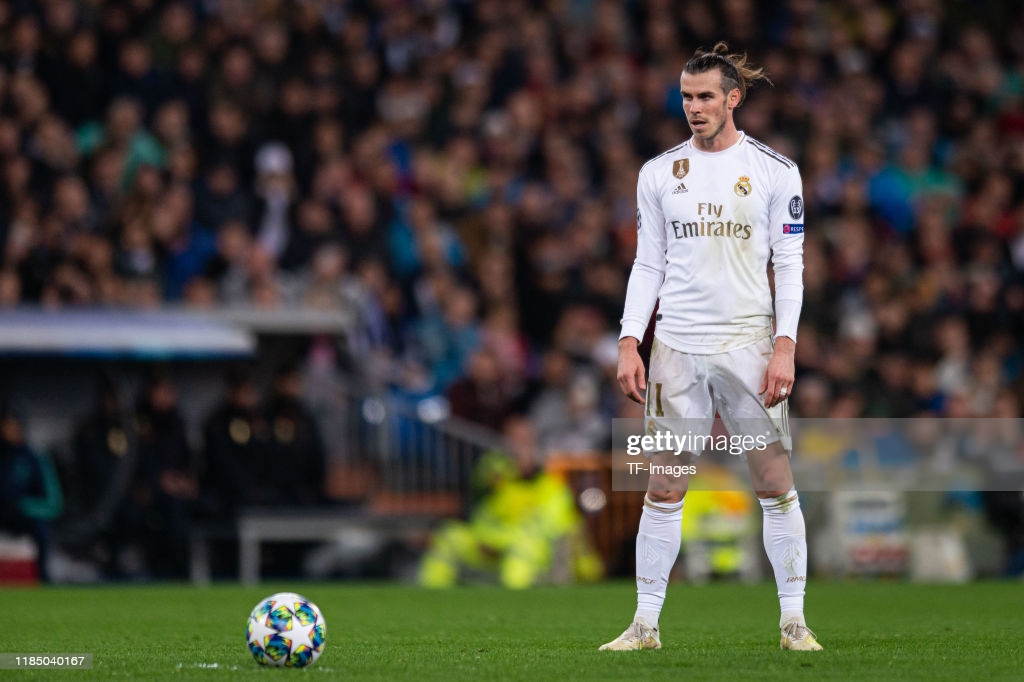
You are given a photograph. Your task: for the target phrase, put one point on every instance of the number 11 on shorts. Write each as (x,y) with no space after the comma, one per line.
(658,412)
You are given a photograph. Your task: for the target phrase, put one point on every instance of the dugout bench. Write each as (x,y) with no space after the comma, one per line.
(406,518)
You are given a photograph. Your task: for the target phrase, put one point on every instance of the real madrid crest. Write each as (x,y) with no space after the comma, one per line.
(742,187)
(680,167)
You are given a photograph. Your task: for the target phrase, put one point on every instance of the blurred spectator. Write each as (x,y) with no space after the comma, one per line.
(30,493)
(123,132)
(165,483)
(448,332)
(482,395)
(221,197)
(547,387)
(1005,511)
(420,242)
(275,191)
(236,442)
(314,229)
(296,458)
(326,284)
(103,464)
(516,530)
(186,246)
(228,266)
(574,422)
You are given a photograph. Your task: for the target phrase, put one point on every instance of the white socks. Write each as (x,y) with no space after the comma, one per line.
(657,547)
(785,541)
(660,535)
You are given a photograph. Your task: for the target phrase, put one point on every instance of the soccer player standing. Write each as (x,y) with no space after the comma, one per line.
(710,214)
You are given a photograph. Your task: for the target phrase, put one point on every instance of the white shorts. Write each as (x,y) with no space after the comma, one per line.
(683,386)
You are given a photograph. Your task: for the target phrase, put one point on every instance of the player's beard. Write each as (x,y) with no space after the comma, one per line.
(707,138)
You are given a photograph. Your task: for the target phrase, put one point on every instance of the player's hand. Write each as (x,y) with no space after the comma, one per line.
(631,375)
(777,384)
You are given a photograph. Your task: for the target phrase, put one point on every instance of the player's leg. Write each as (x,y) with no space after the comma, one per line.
(677,388)
(736,378)
(657,547)
(785,541)
(658,539)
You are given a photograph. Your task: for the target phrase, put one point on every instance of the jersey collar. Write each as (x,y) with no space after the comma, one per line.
(734,145)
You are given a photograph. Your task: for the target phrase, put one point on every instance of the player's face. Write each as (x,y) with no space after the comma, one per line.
(707,106)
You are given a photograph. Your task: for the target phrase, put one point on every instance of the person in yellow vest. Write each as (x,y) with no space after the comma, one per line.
(716,525)
(517,525)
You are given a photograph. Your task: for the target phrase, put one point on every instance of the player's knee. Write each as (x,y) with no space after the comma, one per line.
(773,484)
(772,479)
(666,496)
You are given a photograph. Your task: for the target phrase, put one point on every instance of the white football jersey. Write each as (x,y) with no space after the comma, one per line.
(707,225)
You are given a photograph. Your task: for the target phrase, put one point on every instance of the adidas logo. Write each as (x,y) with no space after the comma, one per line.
(681,189)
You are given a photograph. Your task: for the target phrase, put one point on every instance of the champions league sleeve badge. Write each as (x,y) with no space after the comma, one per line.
(796,207)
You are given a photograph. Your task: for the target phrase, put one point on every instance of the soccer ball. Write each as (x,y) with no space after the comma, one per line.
(286,629)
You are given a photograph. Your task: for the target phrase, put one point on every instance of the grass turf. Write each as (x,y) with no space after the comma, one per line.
(380,632)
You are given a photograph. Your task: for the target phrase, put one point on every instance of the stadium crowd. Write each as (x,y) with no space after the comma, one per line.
(462,174)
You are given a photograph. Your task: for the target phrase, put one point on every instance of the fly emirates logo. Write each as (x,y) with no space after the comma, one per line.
(709,223)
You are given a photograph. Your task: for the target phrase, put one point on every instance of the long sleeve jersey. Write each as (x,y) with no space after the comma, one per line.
(708,224)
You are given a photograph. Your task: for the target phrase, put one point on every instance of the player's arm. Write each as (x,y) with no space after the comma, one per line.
(642,291)
(786,228)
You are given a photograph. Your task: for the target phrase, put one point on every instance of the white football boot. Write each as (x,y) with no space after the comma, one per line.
(796,636)
(639,635)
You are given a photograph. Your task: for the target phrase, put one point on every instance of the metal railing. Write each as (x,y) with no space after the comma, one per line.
(411,446)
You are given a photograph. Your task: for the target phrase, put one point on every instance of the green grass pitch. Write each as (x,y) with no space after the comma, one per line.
(884,631)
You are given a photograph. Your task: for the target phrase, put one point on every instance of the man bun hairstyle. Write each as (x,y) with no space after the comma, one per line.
(737,71)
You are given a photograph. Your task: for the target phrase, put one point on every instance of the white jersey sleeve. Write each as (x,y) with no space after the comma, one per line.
(648,271)
(786,225)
